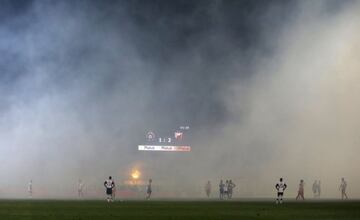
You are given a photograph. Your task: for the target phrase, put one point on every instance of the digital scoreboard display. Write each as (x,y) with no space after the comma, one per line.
(176,140)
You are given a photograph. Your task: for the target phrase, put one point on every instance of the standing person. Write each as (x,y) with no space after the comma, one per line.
(301,190)
(221,189)
(342,188)
(80,189)
(30,189)
(226,189)
(280,187)
(113,194)
(318,189)
(148,190)
(315,188)
(230,189)
(208,189)
(109,185)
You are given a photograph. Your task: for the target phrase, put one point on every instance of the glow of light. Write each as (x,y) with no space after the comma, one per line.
(135,174)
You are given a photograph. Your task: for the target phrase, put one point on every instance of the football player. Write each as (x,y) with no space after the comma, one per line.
(342,188)
(301,190)
(280,187)
(109,185)
(208,188)
(148,190)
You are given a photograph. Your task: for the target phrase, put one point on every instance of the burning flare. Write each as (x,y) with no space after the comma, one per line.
(135,174)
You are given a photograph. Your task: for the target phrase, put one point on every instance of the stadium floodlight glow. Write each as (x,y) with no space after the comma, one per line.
(164,148)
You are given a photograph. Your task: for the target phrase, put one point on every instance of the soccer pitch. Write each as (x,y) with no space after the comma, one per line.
(47,209)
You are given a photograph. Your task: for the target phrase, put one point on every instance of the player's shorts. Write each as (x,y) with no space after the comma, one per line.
(108,191)
(149,191)
(280,193)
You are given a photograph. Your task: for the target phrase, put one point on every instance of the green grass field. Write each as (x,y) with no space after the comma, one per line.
(43,209)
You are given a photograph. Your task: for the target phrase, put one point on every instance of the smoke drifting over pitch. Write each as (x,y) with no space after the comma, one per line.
(269,89)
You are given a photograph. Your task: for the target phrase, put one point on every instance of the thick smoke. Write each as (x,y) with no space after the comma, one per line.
(268,89)
(301,107)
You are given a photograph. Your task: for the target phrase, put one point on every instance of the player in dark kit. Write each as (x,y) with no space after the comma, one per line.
(315,189)
(109,185)
(342,188)
(230,189)
(221,189)
(280,187)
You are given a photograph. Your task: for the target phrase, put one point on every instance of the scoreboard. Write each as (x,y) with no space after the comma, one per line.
(176,140)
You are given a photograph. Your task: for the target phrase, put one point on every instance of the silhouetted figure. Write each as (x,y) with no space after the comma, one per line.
(231,186)
(342,188)
(319,189)
(208,189)
(280,187)
(148,190)
(315,188)
(226,189)
(80,189)
(301,190)
(30,189)
(113,194)
(221,189)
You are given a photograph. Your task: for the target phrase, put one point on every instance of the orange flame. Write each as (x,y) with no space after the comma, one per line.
(135,174)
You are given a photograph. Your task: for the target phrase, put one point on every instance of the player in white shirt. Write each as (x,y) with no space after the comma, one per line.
(342,188)
(280,187)
(226,189)
(109,185)
(80,189)
(30,189)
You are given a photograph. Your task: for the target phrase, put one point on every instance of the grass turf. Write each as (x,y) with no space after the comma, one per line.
(50,210)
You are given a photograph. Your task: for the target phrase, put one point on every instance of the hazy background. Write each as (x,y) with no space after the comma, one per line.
(269,89)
